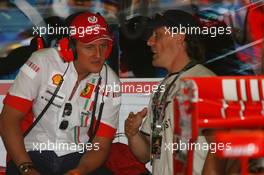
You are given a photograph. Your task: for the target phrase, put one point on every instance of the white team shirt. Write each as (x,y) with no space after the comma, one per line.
(37,81)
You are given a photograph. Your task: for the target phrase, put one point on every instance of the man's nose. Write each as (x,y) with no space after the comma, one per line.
(151,41)
(99,52)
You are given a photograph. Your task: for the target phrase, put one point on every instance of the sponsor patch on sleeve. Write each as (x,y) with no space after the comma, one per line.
(30,69)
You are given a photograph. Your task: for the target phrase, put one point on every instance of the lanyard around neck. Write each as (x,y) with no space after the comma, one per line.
(160,106)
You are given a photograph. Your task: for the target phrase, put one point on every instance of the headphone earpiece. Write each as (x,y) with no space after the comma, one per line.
(67,49)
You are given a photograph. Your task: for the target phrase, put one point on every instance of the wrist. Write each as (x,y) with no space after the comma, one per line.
(133,136)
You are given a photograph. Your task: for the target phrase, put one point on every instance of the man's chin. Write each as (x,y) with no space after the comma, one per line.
(96,69)
(156,63)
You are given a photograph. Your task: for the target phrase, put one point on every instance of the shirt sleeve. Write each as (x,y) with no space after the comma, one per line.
(26,85)
(110,114)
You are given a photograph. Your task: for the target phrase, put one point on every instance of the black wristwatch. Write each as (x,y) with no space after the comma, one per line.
(25,167)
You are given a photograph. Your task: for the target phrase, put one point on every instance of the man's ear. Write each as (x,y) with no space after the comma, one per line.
(181,38)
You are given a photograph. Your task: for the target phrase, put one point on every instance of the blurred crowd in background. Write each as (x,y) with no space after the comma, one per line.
(240,53)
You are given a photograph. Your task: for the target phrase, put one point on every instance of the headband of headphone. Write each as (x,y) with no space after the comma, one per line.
(40,43)
(93,27)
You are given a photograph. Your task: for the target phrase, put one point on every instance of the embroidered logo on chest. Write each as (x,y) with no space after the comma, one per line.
(56,79)
(87,91)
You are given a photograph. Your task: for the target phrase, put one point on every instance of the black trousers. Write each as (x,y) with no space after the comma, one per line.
(48,163)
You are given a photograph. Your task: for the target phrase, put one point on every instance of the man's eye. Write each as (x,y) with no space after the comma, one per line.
(156,35)
(103,46)
(89,47)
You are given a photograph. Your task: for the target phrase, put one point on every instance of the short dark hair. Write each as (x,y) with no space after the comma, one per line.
(195,47)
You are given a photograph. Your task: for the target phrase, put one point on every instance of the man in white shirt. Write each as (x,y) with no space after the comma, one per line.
(75,133)
(179,52)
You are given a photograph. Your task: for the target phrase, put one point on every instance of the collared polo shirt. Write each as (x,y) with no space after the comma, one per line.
(34,87)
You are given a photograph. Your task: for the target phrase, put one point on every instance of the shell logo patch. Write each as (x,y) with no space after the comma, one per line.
(87,91)
(56,79)
(92,19)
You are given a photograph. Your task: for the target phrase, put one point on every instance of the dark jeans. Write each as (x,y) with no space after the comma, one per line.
(48,163)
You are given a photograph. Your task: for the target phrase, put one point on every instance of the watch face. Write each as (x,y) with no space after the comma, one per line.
(25,169)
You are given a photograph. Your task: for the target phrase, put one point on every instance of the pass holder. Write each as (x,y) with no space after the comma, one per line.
(156,147)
